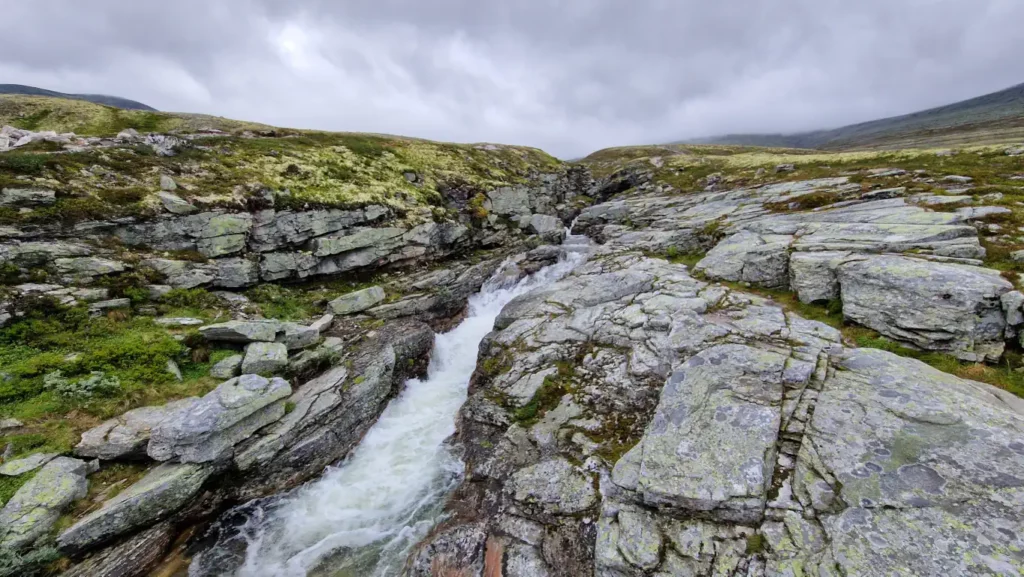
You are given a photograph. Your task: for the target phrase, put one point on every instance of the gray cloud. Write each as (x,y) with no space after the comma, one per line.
(569,76)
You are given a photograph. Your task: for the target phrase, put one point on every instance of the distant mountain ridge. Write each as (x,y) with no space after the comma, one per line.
(994,117)
(106,100)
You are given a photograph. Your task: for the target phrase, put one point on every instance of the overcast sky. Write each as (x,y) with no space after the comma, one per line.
(569,76)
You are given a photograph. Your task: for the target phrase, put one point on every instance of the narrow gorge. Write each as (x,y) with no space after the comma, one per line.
(235,350)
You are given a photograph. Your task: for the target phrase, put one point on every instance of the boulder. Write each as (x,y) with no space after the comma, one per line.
(27,464)
(227,368)
(175,204)
(509,201)
(296,336)
(264,358)
(749,257)
(35,508)
(933,306)
(167,183)
(243,331)
(127,436)
(205,430)
(163,491)
(358,301)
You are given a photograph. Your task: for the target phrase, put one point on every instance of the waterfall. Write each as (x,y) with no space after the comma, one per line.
(363,516)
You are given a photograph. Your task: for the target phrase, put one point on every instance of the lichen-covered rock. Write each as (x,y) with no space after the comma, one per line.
(556,486)
(934,306)
(26,464)
(711,444)
(35,508)
(264,358)
(227,368)
(357,301)
(749,257)
(163,491)
(205,430)
(127,436)
(175,204)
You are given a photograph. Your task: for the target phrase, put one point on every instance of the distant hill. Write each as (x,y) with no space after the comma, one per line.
(104,99)
(989,119)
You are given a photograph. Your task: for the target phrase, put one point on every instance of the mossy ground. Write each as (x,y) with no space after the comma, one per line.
(309,169)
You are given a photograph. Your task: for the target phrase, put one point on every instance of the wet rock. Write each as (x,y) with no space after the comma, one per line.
(136,557)
(35,508)
(205,430)
(264,358)
(164,490)
(357,301)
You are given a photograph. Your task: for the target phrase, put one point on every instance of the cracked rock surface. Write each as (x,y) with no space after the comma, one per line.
(636,420)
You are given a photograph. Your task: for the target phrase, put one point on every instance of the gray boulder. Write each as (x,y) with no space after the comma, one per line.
(750,257)
(127,436)
(227,368)
(243,331)
(556,486)
(206,429)
(135,557)
(264,358)
(358,301)
(163,491)
(38,504)
(543,224)
(934,306)
(175,204)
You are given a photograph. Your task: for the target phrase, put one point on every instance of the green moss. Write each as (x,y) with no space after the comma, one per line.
(756,544)
(548,395)
(10,485)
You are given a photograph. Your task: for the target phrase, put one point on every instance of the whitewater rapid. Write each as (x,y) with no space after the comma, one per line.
(363,516)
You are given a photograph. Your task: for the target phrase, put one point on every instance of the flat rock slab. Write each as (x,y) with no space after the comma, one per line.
(206,429)
(164,490)
(37,506)
(127,436)
(358,301)
(930,468)
(29,463)
(709,449)
(243,331)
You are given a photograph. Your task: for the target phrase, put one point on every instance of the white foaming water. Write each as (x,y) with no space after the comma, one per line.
(364,516)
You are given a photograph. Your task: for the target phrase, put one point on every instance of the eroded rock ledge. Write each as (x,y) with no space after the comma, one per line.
(634,420)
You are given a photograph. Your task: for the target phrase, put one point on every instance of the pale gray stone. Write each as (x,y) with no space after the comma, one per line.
(26,197)
(26,464)
(175,204)
(243,331)
(264,358)
(556,486)
(357,301)
(206,429)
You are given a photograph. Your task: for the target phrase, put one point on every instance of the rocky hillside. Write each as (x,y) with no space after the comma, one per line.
(774,362)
